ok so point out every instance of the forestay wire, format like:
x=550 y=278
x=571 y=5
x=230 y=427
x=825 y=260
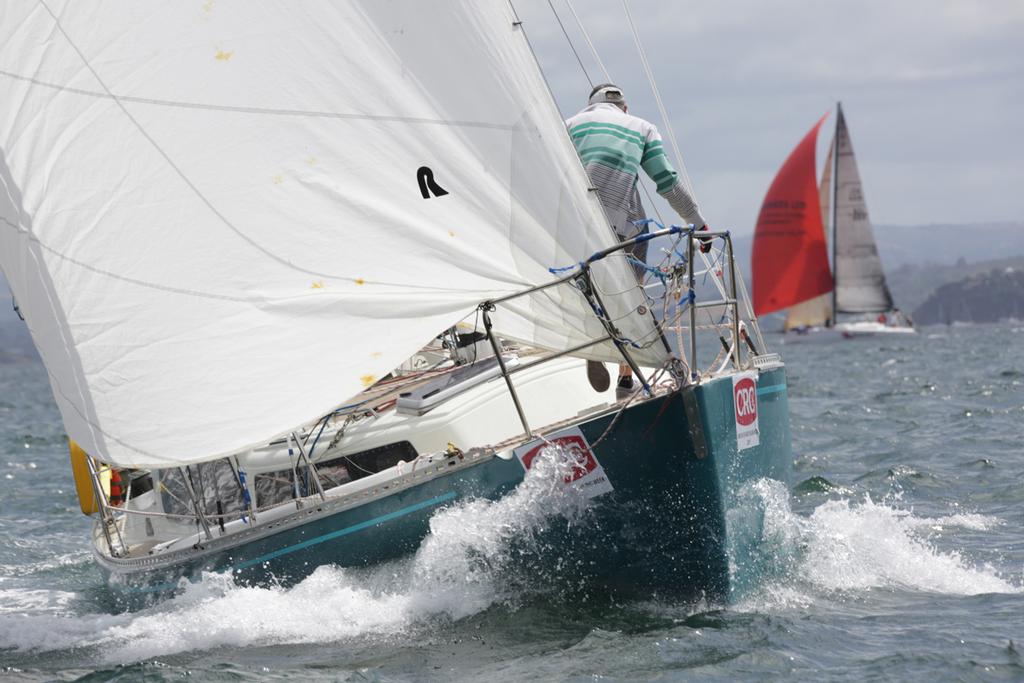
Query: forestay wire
x=657 y=98
x=586 y=37
x=573 y=47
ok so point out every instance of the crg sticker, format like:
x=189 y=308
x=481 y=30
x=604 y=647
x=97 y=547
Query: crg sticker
x=588 y=477
x=744 y=401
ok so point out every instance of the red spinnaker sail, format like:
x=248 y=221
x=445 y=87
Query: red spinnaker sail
x=790 y=256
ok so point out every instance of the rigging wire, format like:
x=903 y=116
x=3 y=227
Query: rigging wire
x=657 y=98
x=590 y=43
x=569 y=40
x=608 y=78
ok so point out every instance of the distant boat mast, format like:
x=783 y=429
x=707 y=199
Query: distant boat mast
x=835 y=202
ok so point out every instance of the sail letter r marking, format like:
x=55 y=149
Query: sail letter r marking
x=425 y=178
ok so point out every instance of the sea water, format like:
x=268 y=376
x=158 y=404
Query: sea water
x=898 y=555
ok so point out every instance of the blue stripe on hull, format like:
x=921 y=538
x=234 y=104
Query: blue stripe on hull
x=348 y=530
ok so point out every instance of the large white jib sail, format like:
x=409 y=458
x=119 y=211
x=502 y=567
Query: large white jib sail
x=223 y=219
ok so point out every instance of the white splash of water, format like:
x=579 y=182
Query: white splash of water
x=455 y=573
x=467 y=549
x=855 y=545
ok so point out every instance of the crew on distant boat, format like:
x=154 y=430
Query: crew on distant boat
x=613 y=146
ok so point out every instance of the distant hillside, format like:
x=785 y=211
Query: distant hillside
x=911 y=285
x=980 y=298
x=903 y=244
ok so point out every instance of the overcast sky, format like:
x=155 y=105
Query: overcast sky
x=932 y=90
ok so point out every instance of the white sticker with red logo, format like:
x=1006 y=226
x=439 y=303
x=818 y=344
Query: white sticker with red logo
x=589 y=477
x=744 y=401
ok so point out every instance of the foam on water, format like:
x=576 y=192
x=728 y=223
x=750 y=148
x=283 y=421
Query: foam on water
x=20 y=601
x=858 y=545
x=849 y=545
x=457 y=572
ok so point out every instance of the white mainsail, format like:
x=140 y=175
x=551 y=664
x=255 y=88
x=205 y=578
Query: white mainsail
x=223 y=219
x=859 y=278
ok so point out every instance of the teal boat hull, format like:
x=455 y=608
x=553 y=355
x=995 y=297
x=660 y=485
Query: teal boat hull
x=670 y=524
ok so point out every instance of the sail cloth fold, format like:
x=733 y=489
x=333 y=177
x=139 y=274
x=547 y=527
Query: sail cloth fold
x=860 y=279
x=223 y=220
x=790 y=257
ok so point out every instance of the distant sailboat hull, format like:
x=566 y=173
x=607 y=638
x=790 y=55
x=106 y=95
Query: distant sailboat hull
x=862 y=329
x=871 y=328
x=669 y=524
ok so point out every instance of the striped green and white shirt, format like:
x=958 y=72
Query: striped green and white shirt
x=614 y=146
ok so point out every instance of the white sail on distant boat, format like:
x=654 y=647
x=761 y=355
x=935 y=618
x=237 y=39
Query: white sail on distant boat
x=229 y=226
x=790 y=256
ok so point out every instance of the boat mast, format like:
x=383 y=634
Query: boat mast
x=835 y=198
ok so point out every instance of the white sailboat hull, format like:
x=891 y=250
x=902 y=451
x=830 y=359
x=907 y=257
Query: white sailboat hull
x=852 y=330
x=871 y=328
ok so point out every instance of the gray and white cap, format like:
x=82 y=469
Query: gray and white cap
x=607 y=92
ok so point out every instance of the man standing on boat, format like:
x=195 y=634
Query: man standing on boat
x=614 y=146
